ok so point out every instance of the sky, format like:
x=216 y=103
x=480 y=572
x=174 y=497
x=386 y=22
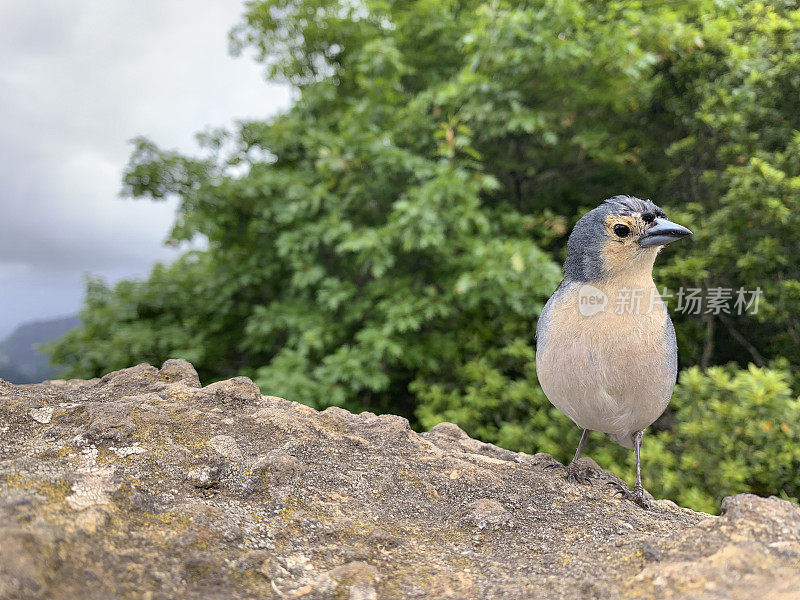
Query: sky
x=78 y=80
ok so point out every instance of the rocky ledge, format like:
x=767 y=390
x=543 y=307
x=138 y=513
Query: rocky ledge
x=142 y=484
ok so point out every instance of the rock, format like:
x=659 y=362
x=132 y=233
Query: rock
x=207 y=475
x=127 y=450
x=109 y=422
x=237 y=391
x=203 y=476
x=357 y=579
x=295 y=576
x=41 y=415
x=486 y=512
x=650 y=552
x=144 y=484
x=175 y=370
x=449 y=430
x=279 y=466
x=226 y=446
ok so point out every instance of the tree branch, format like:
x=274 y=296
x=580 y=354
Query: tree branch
x=757 y=358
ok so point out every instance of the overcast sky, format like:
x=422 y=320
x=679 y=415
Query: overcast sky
x=78 y=79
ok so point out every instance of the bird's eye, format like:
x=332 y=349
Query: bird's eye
x=622 y=230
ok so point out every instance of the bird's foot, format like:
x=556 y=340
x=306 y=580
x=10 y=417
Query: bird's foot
x=636 y=495
x=573 y=473
x=575 y=476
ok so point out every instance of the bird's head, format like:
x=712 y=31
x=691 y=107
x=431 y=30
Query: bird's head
x=621 y=236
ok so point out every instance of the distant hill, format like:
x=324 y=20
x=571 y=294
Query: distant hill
x=20 y=359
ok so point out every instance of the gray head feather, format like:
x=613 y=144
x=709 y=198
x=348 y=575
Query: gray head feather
x=584 y=259
x=628 y=205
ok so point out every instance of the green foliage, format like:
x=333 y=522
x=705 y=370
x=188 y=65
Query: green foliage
x=732 y=431
x=496 y=397
x=738 y=102
x=389 y=241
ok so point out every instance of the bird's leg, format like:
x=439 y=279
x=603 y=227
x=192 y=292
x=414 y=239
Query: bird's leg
x=572 y=468
x=636 y=495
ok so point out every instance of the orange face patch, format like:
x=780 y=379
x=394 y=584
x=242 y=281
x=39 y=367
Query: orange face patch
x=622 y=253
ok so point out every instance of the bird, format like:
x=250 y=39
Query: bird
x=606 y=351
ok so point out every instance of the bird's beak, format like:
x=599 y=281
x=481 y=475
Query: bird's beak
x=663 y=232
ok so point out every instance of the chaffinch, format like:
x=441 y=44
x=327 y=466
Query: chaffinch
x=611 y=367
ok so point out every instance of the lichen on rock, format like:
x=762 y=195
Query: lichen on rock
x=142 y=484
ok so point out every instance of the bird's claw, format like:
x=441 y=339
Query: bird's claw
x=574 y=476
x=636 y=495
x=572 y=472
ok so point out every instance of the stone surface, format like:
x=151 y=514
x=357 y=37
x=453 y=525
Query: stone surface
x=142 y=484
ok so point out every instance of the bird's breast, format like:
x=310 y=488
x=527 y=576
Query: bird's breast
x=608 y=367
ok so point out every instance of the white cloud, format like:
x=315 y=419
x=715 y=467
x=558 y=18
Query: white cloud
x=78 y=79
